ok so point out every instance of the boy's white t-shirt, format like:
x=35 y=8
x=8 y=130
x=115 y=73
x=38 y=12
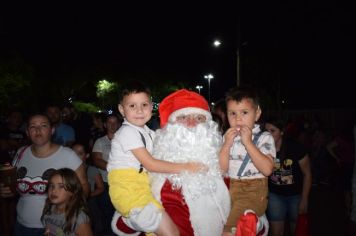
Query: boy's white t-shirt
x=126 y=139
x=238 y=152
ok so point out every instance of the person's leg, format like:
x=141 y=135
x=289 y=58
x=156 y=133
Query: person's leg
x=167 y=226
x=107 y=209
x=276 y=213
x=293 y=211
x=175 y=206
x=95 y=215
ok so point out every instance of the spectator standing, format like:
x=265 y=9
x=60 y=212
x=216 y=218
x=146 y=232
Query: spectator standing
x=100 y=155
x=63 y=134
x=34 y=165
x=96 y=187
x=12 y=135
x=219 y=109
x=97 y=130
x=341 y=148
x=290 y=182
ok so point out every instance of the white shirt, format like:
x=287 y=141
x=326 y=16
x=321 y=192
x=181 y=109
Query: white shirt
x=126 y=139
x=238 y=152
x=103 y=145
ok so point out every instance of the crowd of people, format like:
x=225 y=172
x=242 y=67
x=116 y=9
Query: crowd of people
x=221 y=170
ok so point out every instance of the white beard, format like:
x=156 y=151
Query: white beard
x=205 y=193
x=178 y=144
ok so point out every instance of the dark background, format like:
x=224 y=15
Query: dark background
x=301 y=54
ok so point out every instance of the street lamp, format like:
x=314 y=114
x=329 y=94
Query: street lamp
x=209 y=77
x=199 y=87
x=238 y=64
x=217 y=43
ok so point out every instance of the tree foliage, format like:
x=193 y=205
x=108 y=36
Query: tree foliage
x=15 y=86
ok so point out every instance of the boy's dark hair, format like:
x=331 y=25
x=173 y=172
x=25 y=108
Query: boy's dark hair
x=133 y=87
x=243 y=92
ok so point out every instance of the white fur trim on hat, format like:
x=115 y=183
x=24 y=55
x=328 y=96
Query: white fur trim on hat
x=187 y=111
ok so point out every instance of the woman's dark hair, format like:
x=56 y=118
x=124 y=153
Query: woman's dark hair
x=276 y=121
x=38 y=114
x=219 y=109
x=77 y=202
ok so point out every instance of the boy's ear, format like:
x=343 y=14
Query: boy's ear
x=258 y=113
x=121 y=110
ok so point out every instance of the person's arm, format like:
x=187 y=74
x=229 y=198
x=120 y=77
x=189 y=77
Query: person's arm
x=263 y=162
x=307 y=182
x=99 y=161
x=154 y=165
x=99 y=186
x=81 y=173
x=5 y=191
x=330 y=147
x=224 y=153
x=84 y=230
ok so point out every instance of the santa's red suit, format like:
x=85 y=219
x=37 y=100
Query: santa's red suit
x=198 y=203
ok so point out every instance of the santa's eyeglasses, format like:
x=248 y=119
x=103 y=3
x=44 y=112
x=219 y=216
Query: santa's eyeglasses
x=198 y=118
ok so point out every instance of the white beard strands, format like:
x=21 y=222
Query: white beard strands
x=178 y=144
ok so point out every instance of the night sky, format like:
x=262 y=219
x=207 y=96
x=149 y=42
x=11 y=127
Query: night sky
x=306 y=50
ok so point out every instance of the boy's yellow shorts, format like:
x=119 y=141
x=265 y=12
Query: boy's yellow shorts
x=130 y=189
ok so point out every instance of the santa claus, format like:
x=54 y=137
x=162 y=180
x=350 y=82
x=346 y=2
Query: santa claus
x=198 y=203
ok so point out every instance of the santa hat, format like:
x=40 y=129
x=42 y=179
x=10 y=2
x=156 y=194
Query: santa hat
x=182 y=102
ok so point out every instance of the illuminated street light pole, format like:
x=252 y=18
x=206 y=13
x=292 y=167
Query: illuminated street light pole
x=238 y=64
x=217 y=43
x=209 y=77
x=199 y=87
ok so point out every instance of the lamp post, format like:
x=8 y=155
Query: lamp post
x=217 y=43
x=199 y=87
x=209 y=77
x=238 y=64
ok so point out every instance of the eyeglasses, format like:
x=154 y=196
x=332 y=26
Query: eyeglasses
x=196 y=117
